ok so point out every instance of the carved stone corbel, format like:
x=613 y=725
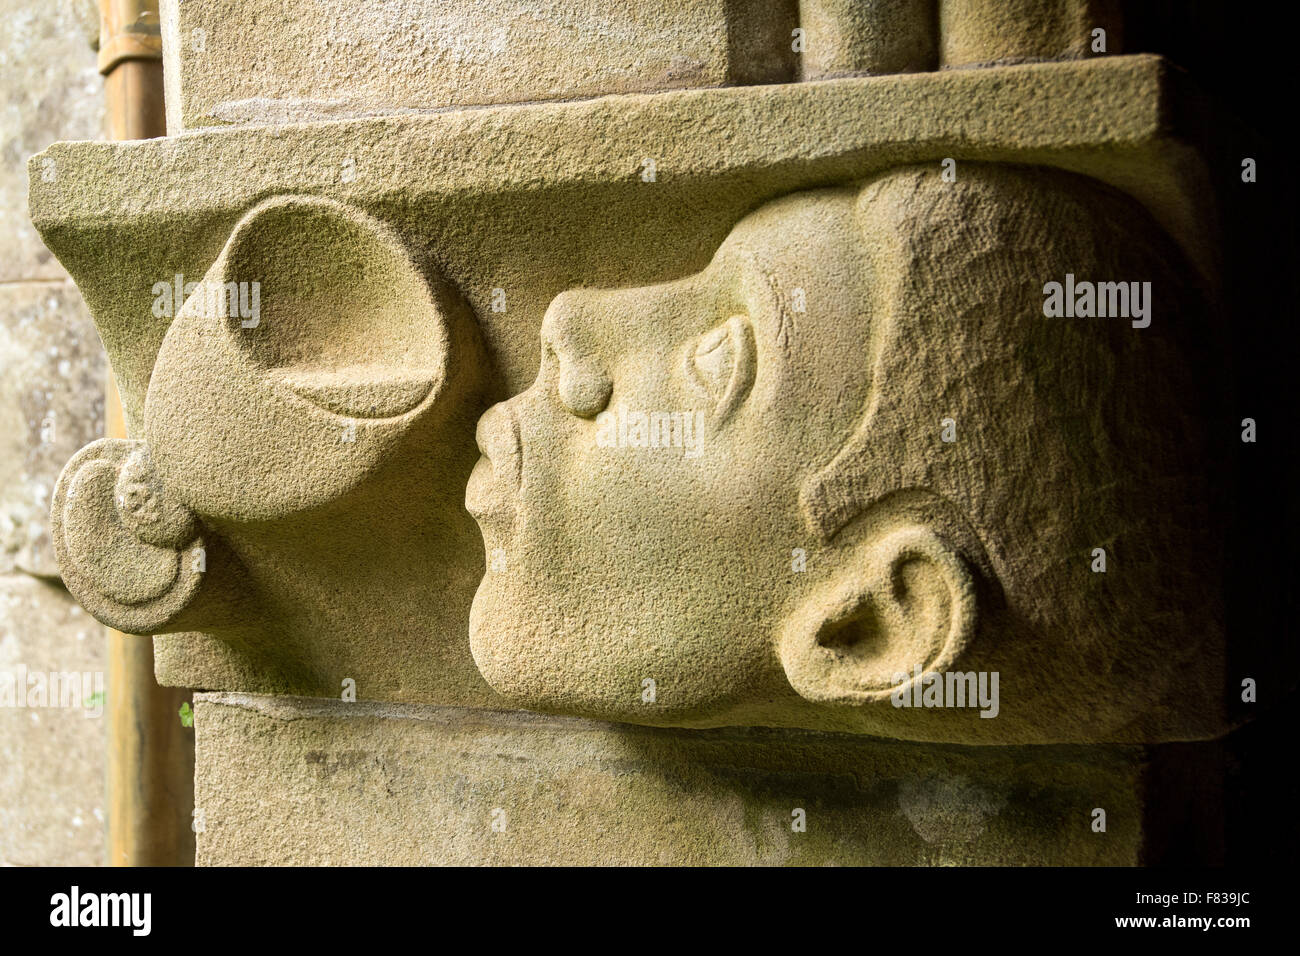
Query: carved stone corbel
x=315 y=354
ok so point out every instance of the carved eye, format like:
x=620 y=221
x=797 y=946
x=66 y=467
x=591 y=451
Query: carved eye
x=722 y=364
x=714 y=358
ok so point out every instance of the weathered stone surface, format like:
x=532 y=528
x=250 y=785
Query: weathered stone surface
x=354 y=559
x=342 y=784
x=51 y=757
x=297 y=60
x=855 y=37
x=373 y=408
x=51 y=403
x=987 y=32
x=52 y=91
x=535 y=199
x=52 y=371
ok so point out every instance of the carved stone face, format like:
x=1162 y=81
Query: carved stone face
x=854 y=453
x=640 y=502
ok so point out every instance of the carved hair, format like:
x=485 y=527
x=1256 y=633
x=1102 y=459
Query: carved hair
x=1071 y=433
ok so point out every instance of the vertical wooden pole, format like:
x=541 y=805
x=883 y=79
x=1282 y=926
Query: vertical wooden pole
x=150 y=753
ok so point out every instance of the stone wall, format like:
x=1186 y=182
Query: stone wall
x=51 y=403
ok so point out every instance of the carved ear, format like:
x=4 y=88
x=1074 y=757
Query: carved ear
x=900 y=603
x=128 y=551
x=119 y=541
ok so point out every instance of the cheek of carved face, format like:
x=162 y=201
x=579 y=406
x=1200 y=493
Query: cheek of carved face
x=620 y=517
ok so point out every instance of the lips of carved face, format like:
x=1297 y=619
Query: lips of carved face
x=498 y=474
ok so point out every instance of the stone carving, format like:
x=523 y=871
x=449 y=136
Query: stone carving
x=121 y=538
x=866 y=445
x=852 y=452
x=318 y=368
x=336 y=516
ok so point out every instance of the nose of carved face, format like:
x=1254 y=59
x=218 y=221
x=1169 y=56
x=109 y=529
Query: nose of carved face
x=495 y=480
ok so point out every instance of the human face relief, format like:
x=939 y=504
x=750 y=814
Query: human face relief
x=635 y=507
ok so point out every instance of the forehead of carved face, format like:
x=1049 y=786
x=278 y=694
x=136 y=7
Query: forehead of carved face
x=640 y=501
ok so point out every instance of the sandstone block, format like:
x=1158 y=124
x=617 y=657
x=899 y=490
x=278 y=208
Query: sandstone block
x=296 y=60
x=366 y=784
x=987 y=32
x=52 y=747
x=51 y=403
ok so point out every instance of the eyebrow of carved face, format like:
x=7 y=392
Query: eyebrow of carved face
x=758 y=293
x=780 y=305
